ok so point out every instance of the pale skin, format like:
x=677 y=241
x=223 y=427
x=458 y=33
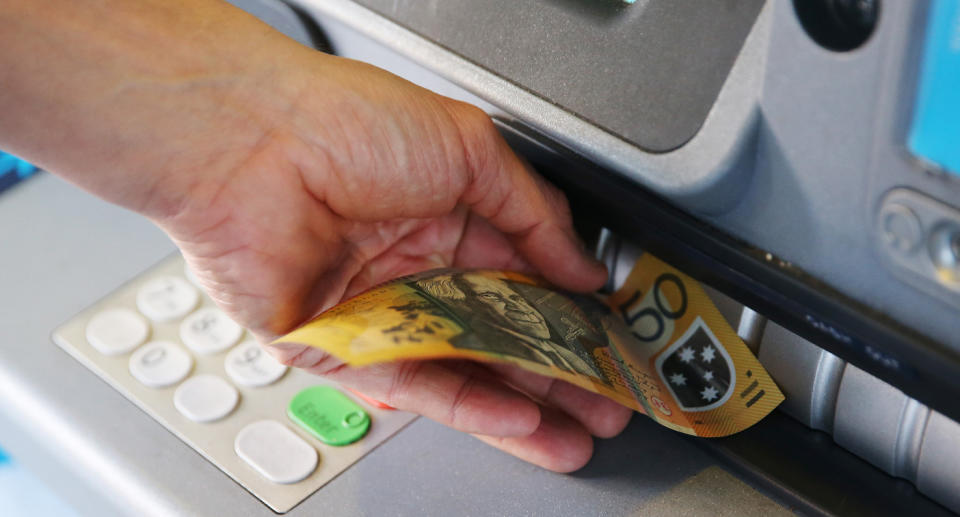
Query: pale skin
x=290 y=180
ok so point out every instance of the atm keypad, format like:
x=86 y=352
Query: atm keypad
x=163 y=344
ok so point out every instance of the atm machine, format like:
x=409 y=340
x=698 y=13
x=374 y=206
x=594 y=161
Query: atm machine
x=801 y=158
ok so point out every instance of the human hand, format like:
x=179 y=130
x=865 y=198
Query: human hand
x=291 y=180
x=375 y=179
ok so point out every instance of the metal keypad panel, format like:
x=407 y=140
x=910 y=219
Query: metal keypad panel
x=166 y=347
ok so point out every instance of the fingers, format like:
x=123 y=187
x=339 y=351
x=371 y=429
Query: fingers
x=460 y=239
x=458 y=399
x=559 y=443
x=554 y=441
x=481 y=400
x=600 y=416
x=483 y=246
x=296 y=355
x=508 y=193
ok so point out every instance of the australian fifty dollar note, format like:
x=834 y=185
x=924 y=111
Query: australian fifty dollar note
x=658 y=344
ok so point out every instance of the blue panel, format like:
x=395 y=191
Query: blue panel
x=3 y=457
x=13 y=169
x=935 y=135
x=8 y=162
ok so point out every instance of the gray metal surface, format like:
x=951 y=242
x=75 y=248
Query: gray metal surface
x=868 y=417
x=750 y=327
x=655 y=67
x=865 y=415
x=808 y=376
x=708 y=174
x=62 y=250
x=831 y=144
x=938 y=472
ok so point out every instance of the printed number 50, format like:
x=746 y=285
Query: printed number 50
x=660 y=311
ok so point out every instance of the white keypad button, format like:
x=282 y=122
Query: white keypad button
x=209 y=331
x=250 y=365
x=167 y=298
x=117 y=331
x=159 y=364
x=205 y=398
x=276 y=452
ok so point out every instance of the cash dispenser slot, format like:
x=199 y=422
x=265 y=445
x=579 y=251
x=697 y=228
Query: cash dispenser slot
x=869 y=418
x=752 y=277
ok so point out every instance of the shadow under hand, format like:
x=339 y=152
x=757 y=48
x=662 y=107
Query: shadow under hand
x=646 y=456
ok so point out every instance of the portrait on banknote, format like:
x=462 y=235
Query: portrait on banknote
x=656 y=344
x=518 y=320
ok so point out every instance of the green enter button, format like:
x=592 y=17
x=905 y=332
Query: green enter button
x=329 y=415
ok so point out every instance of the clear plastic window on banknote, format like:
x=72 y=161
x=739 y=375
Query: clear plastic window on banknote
x=657 y=344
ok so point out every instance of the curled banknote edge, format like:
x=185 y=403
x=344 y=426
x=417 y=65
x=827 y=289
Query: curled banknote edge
x=658 y=344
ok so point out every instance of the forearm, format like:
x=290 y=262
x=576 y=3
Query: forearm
x=117 y=96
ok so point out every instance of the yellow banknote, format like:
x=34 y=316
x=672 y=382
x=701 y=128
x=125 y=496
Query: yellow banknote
x=657 y=345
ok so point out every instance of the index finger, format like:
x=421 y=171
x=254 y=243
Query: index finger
x=457 y=398
x=534 y=214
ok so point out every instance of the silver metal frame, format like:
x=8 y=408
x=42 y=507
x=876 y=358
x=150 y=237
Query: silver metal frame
x=705 y=174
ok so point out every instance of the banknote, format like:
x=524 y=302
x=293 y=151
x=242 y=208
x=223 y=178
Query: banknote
x=657 y=344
